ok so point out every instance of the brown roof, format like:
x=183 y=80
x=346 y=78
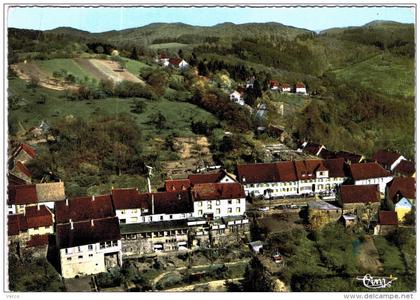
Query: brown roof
x=38 y=216
x=28 y=149
x=402 y=186
x=171 y=202
x=306 y=169
x=255 y=173
x=37 y=241
x=128 y=199
x=217 y=191
x=285 y=86
x=16 y=224
x=175 y=61
x=359 y=193
x=84 y=208
x=22 y=194
x=300 y=85
x=388 y=218
x=206 y=177
x=50 y=191
x=405 y=168
x=347 y=156
x=274 y=83
x=335 y=167
x=83 y=233
x=20 y=167
x=327 y=154
x=361 y=171
x=312 y=148
x=286 y=171
x=14 y=180
x=385 y=158
x=177 y=185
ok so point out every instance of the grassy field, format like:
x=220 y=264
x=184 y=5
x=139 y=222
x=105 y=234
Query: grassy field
x=134 y=66
x=178 y=114
x=386 y=74
x=168 y=46
x=67 y=64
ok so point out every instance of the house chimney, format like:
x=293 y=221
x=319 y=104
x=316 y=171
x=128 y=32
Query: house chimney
x=71 y=224
x=92 y=223
x=93 y=197
x=67 y=201
x=24 y=211
x=153 y=204
x=37 y=206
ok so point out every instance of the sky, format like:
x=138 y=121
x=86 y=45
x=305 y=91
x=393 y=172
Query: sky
x=105 y=19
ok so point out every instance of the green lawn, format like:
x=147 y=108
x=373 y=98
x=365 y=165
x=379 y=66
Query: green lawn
x=386 y=74
x=68 y=64
x=134 y=66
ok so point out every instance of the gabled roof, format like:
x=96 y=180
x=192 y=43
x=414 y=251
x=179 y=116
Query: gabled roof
x=217 y=191
x=177 y=185
x=274 y=83
x=335 y=167
x=285 y=86
x=312 y=148
x=207 y=177
x=37 y=241
x=84 y=208
x=22 y=194
x=402 y=186
x=359 y=193
x=256 y=173
x=128 y=199
x=347 y=156
x=175 y=61
x=171 y=202
x=306 y=169
x=83 y=233
x=362 y=171
x=386 y=158
x=26 y=148
x=50 y=191
x=16 y=224
x=14 y=180
x=300 y=85
x=405 y=168
x=388 y=218
x=38 y=216
x=20 y=167
x=286 y=171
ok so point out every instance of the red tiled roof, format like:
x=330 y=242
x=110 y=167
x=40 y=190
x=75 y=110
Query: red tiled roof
x=38 y=216
x=177 y=185
x=83 y=233
x=14 y=180
x=206 y=177
x=175 y=61
x=335 y=167
x=362 y=171
x=128 y=199
x=388 y=218
x=348 y=156
x=22 y=194
x=359 y=193
x=16 y=224
x=171 y=202
x=405 y=168
x=312 y=148
x=37 y=241
x=19 y=166
x=403 y=186
x=300 y=85
x=306 y=169
x=274 y=83
x=255 y=173
x=385 y=158
x=84 y=208
x=286 y=171
x=285 y=86
x=28 y=149
x=217 y=191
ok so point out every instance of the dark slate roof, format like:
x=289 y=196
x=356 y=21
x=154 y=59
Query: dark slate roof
x=83 y=233
x=38 y=216
x=359 y=193
x=312 y=148
x=405 y=168
x=256 y=173
x=402 y=186
x=16 y=224
x=37 y=241
x=84 y=208
x=177 y=184
x=367 y=170
x=129 y=199
x=217 y=191
x=171 y=202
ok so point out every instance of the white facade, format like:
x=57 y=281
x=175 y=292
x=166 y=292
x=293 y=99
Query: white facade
x=382 y=182
x=286 y=89
x=88 y=259
x=131 y=216
x=183 y=64
x=220 y=208
x=237 y=98
x=301 y=90
x=322 y=184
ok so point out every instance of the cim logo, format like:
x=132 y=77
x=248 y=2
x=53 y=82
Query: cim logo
x=374 y=282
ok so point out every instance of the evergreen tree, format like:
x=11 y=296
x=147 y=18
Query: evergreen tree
x=134 y=55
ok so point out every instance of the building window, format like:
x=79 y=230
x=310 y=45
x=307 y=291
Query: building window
x=79 y=249
x=200 y=212
x=90 y=255
x=122 y=221
x=209 y=206
x=68 y=258
x=238 y=209
x=90 y=247
x=229 y=201
x=200 y=203
x=80 y=257
x=229 y=210
x=171 y=217
x=102 y=245
x=218 y=202
x=217 y=211
x=123 y=212
x=238 y=201
x=134 y=211
x=161 y=218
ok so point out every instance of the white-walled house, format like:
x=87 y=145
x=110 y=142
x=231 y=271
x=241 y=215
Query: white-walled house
x=292 y=178
x=370 y=173
x=300 y=88
x=218 y=199
x=285 y=87
x=89 y=247
x=237 y=97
